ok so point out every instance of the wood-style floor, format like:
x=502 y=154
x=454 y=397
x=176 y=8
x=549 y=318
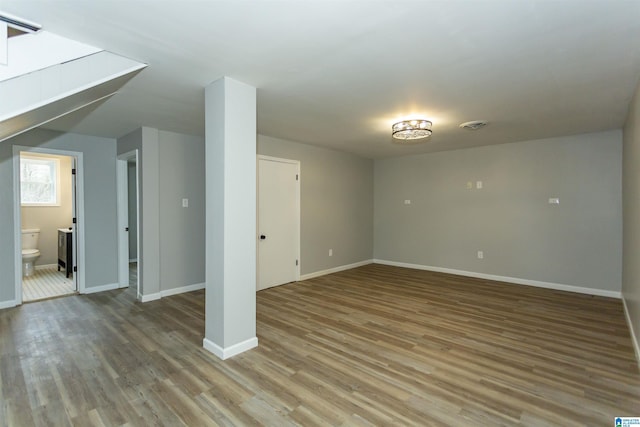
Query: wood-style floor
x=376 y=345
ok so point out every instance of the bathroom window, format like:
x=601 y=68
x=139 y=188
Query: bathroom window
x=39 y=179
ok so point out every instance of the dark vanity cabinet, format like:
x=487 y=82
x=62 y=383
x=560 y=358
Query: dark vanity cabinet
x=65 y=250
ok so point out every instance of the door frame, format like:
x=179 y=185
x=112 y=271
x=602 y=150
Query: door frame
x=123 y=218
x=296 y=225
x=78 y=195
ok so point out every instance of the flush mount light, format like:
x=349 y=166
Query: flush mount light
x=408 y=130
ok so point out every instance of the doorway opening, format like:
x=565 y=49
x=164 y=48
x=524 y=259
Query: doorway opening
x=48 y=240
x=129 y=261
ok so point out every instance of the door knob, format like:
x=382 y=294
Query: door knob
x=262 y=237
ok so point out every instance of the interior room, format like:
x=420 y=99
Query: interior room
x=320 y=213
x=46 y=210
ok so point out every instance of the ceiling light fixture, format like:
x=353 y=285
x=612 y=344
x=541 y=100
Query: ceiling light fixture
x=411 y=129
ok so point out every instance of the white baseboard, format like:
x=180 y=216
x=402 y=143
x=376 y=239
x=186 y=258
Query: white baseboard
x=8 y=304
x=173 y=291
x=634 y=337
x=516 y=280
x=182 y=289
x=102 y=288
x=150 y=297
x=46 y=266
x=335 y=269
x=225 y=353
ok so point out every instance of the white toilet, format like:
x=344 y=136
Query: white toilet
x=30 y=252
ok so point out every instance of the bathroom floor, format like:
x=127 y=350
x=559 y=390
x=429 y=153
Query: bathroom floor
x=46 y=283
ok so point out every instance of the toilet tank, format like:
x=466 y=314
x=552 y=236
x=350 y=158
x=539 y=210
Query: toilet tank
x=30 y=238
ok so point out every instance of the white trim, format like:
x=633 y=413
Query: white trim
x=634 y=339
x=336 y=269
x=278 y=159
x=8 y=304
x=133 y=260
x=101 y=288
x=122 y=221
x=172 y=291
x=45 y=266
x=225 y=353
x=17 y=226
x=150 y=297
x=514 y=280
x=182 y=289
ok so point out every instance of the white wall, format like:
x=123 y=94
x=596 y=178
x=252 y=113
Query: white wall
x=631 y=220
x=576 y=243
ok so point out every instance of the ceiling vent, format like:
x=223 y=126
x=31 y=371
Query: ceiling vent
x=474 y=125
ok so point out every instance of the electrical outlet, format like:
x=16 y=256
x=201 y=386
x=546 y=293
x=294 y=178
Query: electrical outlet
x=330 y=252
x=480 y=255
x=185 y=203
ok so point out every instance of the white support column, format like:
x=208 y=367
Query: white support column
x=230 y=134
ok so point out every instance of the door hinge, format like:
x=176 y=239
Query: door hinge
x=73 y=171
x=296 y=262
x=74 y=220
x=296 y=177
x=75 y=268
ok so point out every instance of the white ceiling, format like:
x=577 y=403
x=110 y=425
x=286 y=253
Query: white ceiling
x=339 y=73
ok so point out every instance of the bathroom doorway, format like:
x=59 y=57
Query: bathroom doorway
x=129 y=260
x=47 y=219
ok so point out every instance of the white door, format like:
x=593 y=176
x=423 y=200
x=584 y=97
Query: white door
x=278 y=221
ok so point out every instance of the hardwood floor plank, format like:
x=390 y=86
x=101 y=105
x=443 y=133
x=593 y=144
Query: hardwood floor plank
x=376 y=345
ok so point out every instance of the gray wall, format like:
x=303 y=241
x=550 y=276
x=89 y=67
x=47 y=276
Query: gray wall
x=577 y=242
x=182 y=233
x=132 y=183
x=99 y=203
x=336 y=203
x=49 y=218
x=171 y=247
x=145 y=140
x=631 y=215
